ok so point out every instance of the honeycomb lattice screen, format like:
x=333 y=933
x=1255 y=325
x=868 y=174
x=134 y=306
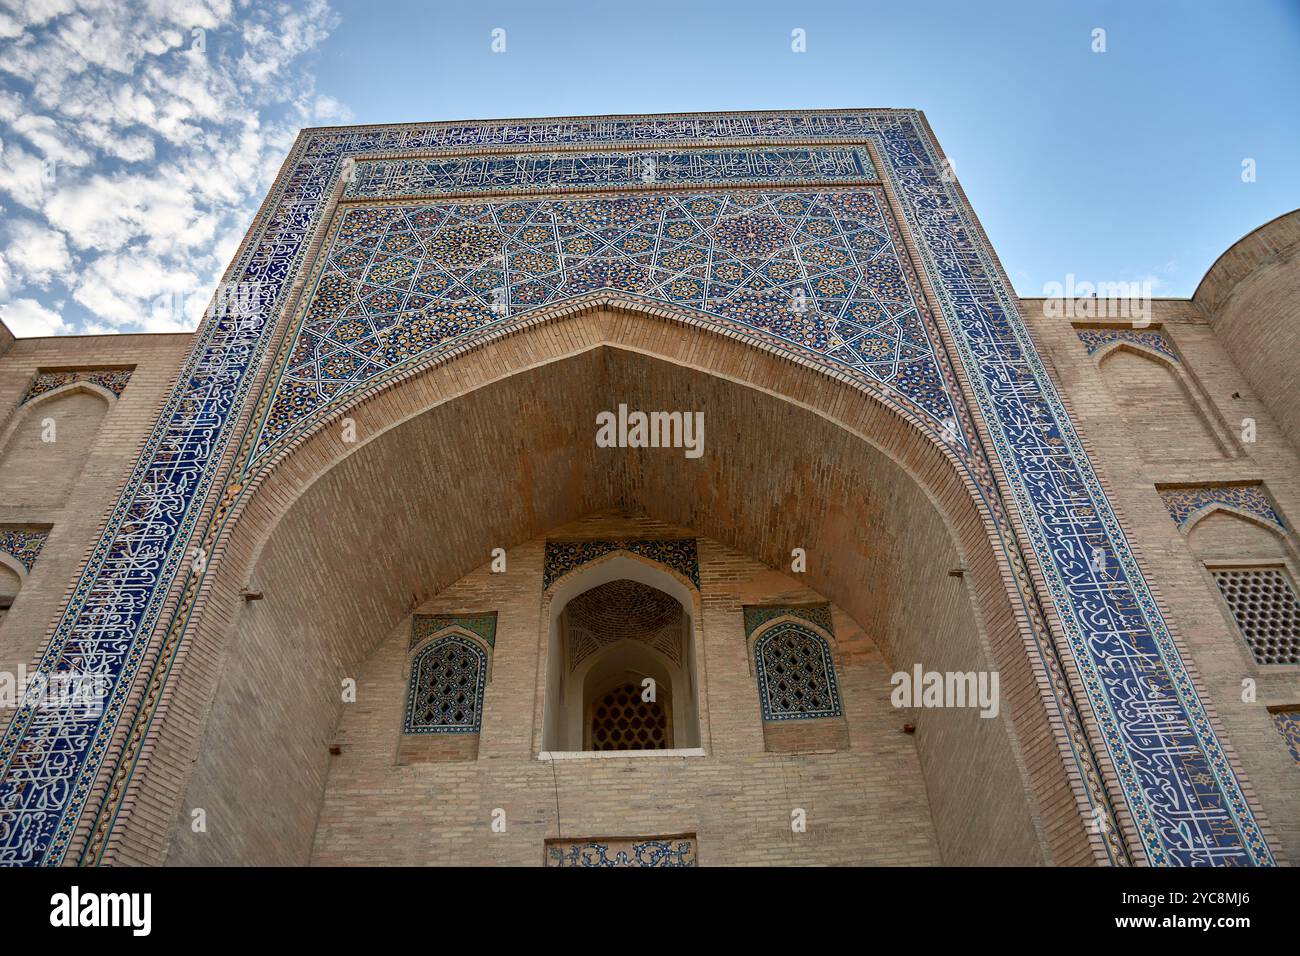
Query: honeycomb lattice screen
x=621 y=720
x=1264 y=605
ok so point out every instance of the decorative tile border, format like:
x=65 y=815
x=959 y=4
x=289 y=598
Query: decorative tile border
x=626 y=169
x=1188 y=504
x=1184 y=797
x=1153 y=339
x=23 y=543
x=625 y=852
x=425 y=625
x=676 y=553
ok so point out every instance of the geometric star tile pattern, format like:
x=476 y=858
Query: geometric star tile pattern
x=818 y=270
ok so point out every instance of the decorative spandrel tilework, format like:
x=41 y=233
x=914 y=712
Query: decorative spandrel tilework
x=819 y=614
x=796 y=673
x=656 y=851
x=23 y=544
x=538 y=172
x=676 y=553
x=112 y=379
x=1186 y=803
x=1288 y=725
x=1154 y=339
x=819 y=272
x=484 y=625
x=1187 y=505
x=445 y=691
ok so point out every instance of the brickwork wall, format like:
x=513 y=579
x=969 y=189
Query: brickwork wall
x=1136 y=454
x=1252 y=298
x=864 y=805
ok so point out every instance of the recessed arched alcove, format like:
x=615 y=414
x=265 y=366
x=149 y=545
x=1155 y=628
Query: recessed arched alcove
x=1161 y=406
x=45 y=447
x=611 y=624
x=345 y=543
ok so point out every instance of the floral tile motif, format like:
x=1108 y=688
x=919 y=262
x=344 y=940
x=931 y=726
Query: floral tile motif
x=1288 y=725
x=1154 y=339
x=1187 y=504
x=676 y=553
x=23 y=544
x=484 y=625
x=660 y=851
x=819 y=614
x=112 y=379
x=59 y=768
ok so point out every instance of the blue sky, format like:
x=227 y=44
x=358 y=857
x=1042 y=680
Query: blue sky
x=135 y=149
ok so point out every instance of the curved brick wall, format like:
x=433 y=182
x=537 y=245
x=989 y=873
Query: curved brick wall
x=1252 y=295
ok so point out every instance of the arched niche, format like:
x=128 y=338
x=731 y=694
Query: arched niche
x=622 y=618
x=47 y=443
x=344 y=539
x=1161 y=406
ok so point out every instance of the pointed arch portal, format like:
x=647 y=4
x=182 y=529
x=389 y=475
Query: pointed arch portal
x=821 y=269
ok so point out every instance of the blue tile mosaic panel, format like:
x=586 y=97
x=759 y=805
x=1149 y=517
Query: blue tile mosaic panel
x=1153 y=339
x=1288 y=725
x=1188 y=504
x=1170 y=770
x=676 y=553
x=111 y=379
x=23 y=544
x=484 y=625
x=538 y=172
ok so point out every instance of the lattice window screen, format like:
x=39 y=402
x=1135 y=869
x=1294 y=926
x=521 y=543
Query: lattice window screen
x=1264 y=605
x=621 y=720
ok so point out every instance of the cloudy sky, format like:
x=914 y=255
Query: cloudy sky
x=138 y=136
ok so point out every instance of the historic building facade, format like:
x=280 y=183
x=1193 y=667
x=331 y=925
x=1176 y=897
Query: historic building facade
x=616 y=491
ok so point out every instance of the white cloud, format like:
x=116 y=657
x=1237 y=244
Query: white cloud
x=27 y=317
x=138 y=139
x=37 y=254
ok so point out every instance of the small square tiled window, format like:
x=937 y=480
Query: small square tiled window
x=1264 y=605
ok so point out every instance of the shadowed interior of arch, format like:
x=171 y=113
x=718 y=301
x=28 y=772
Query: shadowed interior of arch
x=415 y=509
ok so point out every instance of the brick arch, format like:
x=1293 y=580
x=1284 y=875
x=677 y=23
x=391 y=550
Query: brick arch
x=209 y=672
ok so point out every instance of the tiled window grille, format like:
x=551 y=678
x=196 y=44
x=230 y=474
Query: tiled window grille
x=796 y=674
x=445 y=693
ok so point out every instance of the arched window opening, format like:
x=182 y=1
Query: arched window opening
x=445 y=695
x=621 y=667
x=796 y=674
